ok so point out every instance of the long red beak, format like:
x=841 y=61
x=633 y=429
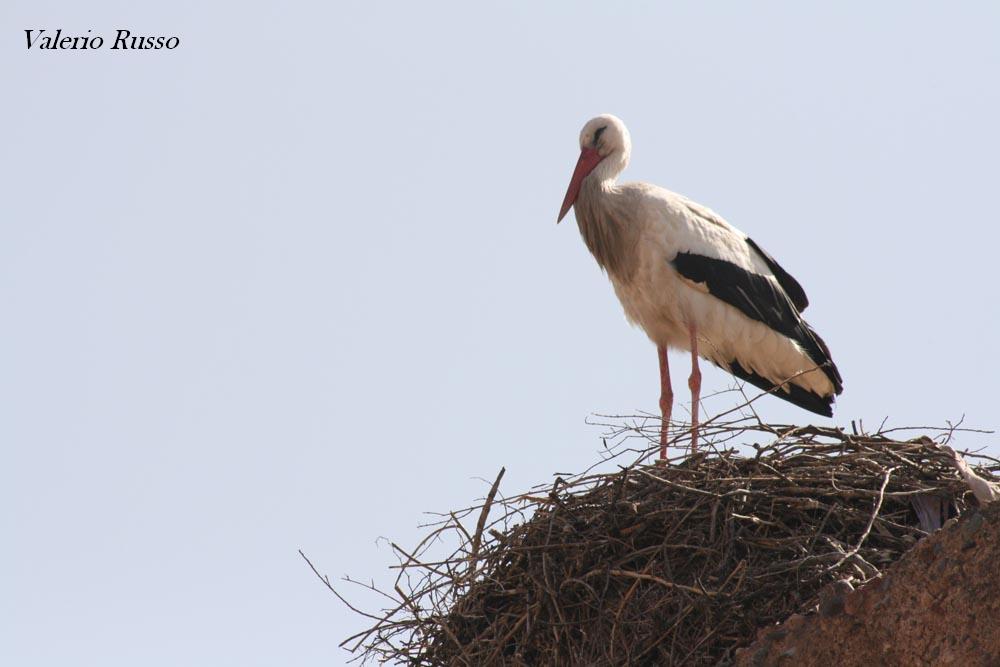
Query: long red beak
x=589 y=157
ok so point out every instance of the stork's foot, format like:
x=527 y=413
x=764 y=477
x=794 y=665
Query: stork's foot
x=663 y=441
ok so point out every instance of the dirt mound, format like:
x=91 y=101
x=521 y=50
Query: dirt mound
x=938 y=605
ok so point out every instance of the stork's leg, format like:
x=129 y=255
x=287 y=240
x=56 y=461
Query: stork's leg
x=694 y=383
x=666 y=400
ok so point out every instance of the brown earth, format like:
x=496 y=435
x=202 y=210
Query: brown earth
x=938 y=605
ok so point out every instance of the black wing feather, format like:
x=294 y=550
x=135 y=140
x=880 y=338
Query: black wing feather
x=760 y=299
x=791 y=286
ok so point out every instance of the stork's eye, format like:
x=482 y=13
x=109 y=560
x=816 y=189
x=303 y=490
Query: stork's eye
x=598 y=133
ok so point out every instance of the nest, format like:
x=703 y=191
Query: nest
x=665 y=564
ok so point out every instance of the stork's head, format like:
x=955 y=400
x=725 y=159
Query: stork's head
x=604 y=150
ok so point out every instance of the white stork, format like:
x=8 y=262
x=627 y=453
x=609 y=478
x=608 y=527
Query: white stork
x=694 y=282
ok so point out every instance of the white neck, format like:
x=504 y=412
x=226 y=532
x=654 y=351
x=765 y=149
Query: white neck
x=608 y=169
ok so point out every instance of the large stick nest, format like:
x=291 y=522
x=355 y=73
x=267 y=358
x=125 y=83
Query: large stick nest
x=665 y=564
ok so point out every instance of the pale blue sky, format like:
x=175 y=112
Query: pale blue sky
x=299 y=280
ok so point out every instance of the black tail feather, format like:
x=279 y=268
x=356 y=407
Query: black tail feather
x=821 y=405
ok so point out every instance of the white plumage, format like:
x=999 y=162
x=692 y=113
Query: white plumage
x=663 y=303
x=694 y=282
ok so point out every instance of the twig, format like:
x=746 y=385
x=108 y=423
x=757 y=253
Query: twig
x=871 y=521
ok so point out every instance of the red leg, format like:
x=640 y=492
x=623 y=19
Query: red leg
x=694 y=383
x=666 y=400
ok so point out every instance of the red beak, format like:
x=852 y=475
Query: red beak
x=589 y=157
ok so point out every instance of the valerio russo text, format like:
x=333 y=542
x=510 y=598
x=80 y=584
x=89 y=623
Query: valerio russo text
x=123 y=40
